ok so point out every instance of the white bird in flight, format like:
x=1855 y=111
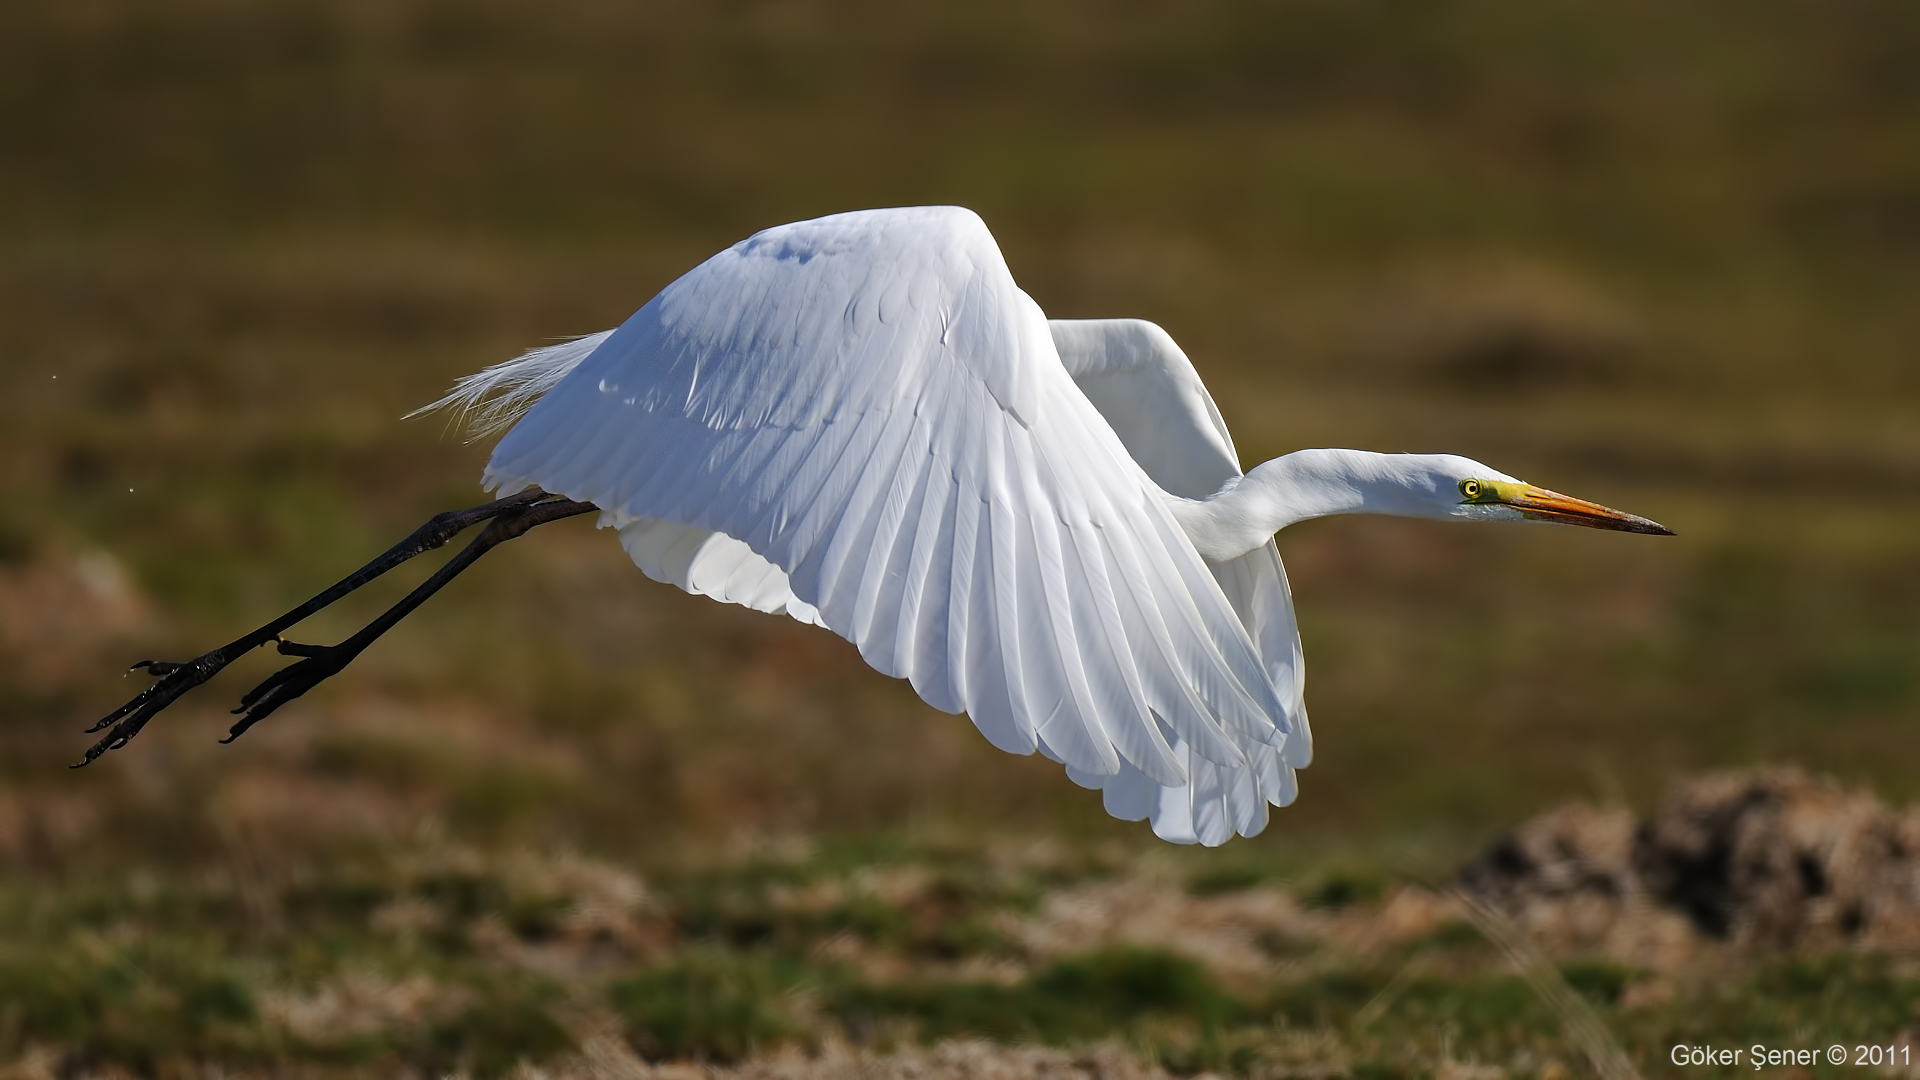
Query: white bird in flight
x=862 y=422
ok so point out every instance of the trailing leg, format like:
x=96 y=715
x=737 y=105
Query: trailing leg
x=325 y=661
x=176 y=678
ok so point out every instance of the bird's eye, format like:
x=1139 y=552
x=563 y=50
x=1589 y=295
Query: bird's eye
x=1470 y=489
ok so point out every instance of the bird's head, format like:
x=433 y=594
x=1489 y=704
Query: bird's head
x=1309 y=484
x=1467 y=489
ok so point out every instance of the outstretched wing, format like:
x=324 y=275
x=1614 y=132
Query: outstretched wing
x=1148 y=390
x=866 y=404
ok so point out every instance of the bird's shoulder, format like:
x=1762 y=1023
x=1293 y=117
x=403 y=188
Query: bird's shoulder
x=916 y=259
x=1148 y=391
x=838 y=315
x=867 y=235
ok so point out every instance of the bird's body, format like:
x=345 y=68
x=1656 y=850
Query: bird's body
x=862 y=422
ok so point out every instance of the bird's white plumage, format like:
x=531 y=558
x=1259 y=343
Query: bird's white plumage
x=709 y=563
x=862 y=421
x=1149 y=392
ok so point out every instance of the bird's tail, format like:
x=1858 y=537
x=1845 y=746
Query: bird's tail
x=489 y=401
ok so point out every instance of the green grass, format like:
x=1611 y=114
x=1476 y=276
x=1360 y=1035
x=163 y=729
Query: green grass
x=443 y=964
x=1079 y=998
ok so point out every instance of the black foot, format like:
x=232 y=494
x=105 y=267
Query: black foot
x=322 y=662
x=175 y=679
x=294 y=648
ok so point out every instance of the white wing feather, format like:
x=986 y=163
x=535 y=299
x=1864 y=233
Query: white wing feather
x=1150 y=393
x=861 y=421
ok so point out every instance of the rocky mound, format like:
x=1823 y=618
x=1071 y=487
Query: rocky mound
x=1758 y=860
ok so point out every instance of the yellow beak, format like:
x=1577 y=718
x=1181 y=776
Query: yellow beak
x=1542 y=505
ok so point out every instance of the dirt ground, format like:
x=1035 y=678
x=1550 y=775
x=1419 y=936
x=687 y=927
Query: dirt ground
x=1753 y=861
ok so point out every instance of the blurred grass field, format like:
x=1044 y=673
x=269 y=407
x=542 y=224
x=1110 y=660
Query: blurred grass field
x=1662 y=256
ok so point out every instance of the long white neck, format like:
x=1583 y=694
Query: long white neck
x=1315 y=483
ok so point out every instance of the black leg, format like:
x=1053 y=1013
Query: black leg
x=323 y=662
x=176 y=679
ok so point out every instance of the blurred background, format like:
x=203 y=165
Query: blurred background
x=1661 y=256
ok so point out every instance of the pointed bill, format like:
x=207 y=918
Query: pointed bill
x=1540 y=504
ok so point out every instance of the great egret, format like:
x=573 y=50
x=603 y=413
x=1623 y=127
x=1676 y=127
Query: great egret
x=860 y=421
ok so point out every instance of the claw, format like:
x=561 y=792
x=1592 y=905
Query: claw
x=171 y=680
x=321 y=663
x=116 y=714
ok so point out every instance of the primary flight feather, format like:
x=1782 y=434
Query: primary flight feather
x=862 y=422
